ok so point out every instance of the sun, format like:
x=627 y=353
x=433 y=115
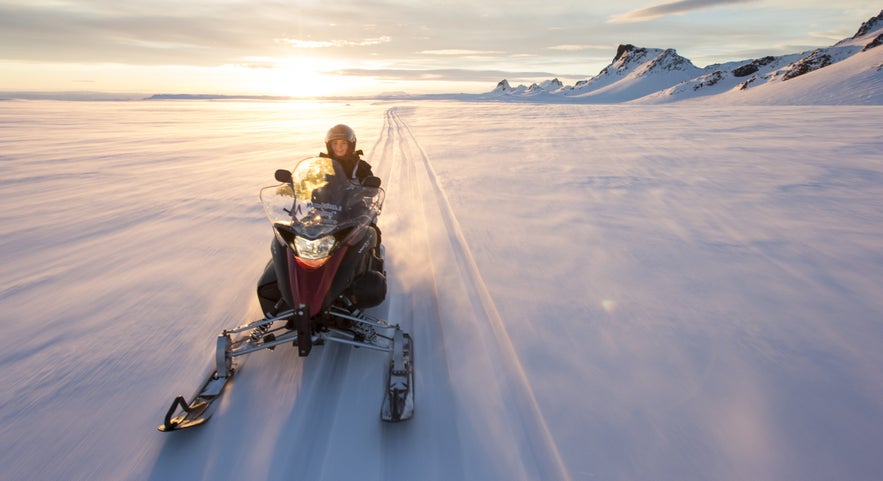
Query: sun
x=296 y=77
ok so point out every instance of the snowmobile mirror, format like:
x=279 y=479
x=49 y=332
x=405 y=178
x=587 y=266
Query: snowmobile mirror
x=283 y=176
x=371 y=181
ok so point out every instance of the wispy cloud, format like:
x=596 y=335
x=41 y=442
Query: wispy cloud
x=440 y=74
x=297 y=43
x=459 y=52
x=673 y=8
x=578 y=47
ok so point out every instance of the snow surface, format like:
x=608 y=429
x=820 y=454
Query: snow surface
x=613 y=292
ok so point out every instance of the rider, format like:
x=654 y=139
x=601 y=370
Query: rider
x=340 y=143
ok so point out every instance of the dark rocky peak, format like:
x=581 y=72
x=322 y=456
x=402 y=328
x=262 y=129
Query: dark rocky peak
x=819 y=58
x=549 y=85
x=670 y=60
x=627 y=56
x=628 y=52
x=752 y=67
x=503 y=86
x=869 y=26
x=622 y=49
x=874 y=43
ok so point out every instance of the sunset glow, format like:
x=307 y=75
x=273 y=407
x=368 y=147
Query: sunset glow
x=352 y=48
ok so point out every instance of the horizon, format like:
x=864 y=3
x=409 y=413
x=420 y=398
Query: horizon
x=309 y=51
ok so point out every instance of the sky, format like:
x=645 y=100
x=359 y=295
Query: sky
x=347 y=47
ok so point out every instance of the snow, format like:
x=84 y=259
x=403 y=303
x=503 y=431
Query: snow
x=857 y=80
x=849 y=72
x=686 y=291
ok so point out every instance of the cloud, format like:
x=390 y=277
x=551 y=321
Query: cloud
x=460 y=75
x=577 y=48
x=460 y=52
x=297 y=43
x=673 y=8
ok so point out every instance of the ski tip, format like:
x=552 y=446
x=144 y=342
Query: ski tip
x=180 y=425
x=192 y=414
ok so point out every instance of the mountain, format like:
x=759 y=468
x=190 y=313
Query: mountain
x=535 y=89
x=634 y=73
x=850 y=71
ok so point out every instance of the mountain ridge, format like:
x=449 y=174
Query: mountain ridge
x=654 y=75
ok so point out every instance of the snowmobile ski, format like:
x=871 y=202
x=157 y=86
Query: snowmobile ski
x=398 y=401
x=201 y=406
x=198 y=410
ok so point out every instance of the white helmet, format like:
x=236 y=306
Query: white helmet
x=341 y=132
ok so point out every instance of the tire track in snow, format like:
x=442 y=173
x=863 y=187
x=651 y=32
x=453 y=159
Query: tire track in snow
x=494 y=406
x=383 y=153
x=427 y=447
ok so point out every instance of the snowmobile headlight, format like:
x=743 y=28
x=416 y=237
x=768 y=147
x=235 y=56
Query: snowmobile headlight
x=314 y=249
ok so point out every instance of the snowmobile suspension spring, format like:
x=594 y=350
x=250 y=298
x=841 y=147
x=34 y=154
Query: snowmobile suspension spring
x=258 y=332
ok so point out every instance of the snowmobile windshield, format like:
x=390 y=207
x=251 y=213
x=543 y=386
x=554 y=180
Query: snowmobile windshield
x=320 y=200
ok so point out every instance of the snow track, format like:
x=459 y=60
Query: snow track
x=465 y=360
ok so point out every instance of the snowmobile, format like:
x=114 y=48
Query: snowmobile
x=326 y=268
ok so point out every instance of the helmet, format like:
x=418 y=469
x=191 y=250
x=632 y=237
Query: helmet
x=341 y=131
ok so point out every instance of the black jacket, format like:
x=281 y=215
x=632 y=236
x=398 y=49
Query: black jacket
x=353 y=165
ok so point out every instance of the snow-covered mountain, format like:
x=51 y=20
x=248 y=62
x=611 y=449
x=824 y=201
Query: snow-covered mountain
x=535 y=89
x=652 y=75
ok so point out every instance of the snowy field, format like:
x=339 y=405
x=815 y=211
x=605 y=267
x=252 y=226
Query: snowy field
x=614 y=292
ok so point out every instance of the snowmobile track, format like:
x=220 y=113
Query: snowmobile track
x=471 y=310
